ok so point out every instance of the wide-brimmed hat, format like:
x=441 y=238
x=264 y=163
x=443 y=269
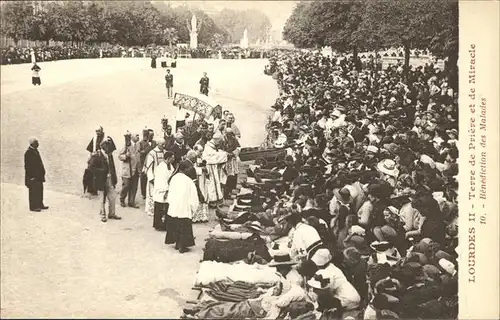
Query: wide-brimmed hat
x=407 y=192
x=388 y=167
x=392 y=147
x=372 y=149
x=357 y=242
x=320 y=280
x=447 y=266
x=452 y=131
x=381 y=246
x=341 y=108
x=343 y=195
x=352 y=256
x=428 y=160
x=384 y=233
x=431 y=270
x=256 y=226
x=336 y=113
x=322 y=257
x=281 y=259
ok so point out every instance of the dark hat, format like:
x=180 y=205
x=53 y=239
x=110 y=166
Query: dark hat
x=376 y=190
x=385 y=233
x=390 y=129
x=343 y=195
x=281 y=259
x=352 y=256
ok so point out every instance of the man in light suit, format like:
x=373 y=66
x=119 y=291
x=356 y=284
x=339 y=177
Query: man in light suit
x=130 y=158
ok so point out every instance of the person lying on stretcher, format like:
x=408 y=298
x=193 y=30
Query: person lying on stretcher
x=270 y=305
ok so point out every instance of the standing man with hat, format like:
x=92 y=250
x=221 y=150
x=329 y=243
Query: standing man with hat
x=35 y=176
x=169 y=83
x=130 y=158
x=204 y=84
x=109 y=180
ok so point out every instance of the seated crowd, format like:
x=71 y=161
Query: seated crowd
x=358 y=213
x=17 y=55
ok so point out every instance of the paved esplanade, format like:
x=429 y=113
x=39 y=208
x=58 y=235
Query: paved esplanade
x=64 y=262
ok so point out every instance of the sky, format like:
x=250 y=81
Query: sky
x=277 y=11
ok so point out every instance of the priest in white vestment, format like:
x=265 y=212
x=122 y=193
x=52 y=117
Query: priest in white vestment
x=216 y=160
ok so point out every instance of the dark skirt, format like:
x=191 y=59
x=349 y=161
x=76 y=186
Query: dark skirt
x=185 y=237
x=159 y=219
x=180 y=232
x=36 y=81
x=171 y=229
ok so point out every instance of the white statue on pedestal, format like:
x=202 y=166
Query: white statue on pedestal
x=33 y=56
x=244 y=40
x=193 y=32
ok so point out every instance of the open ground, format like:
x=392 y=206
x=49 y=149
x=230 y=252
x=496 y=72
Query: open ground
x=64 y=262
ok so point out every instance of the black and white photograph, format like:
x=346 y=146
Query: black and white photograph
x=249 y=159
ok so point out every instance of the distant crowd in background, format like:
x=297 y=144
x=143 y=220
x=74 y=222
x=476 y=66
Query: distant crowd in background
x=17 y=55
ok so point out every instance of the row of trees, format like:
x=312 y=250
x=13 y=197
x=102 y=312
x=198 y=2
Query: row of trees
x=124 y=22
x=350 y=26
x=235 y=22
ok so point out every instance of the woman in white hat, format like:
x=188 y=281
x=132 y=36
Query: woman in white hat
x=388 y=171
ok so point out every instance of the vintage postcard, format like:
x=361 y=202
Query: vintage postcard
x=308 y=160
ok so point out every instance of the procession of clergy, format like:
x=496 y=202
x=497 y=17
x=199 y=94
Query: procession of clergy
x=182 y=173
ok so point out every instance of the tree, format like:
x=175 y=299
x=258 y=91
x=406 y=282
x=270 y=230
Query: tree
x=298 y=29
x=236 y=21
x=407 y=23
x=43 y=22
x=336 y=24
x=16 y=19
x=444 y=43
x=218 y=41
x=170 y=36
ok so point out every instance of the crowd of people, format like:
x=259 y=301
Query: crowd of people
x=205 y=150
x=365 y=197
x=357 y=214
x=18 y=55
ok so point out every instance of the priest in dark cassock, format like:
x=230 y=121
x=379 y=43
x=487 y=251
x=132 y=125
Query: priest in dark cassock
x=95 y=143
x=35 y=176
x=89 y=176
x=179 y=148
x=204 y=84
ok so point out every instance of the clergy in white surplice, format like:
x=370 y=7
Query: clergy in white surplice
x=153 y=159
x=216 y=160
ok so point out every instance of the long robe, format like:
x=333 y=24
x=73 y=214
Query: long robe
x=201 y=215
x=183 y=202
x=153 y=159
x=215 y=162
x=182 y=196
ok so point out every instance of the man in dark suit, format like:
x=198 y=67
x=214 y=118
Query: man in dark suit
x=179 y=148
x=35 y=176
